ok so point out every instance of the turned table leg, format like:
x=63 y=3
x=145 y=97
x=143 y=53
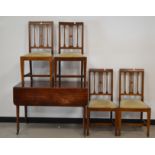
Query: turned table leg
x=84 y=119
x=17 y=118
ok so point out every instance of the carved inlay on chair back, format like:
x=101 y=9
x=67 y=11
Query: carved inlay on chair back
x=41 y=35
x=131 y=82
x=71 y=36
x=101 y=82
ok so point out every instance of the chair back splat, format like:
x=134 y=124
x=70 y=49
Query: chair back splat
x=71 y=36
x=101 y=82
x=131 y=83
x=41 y=35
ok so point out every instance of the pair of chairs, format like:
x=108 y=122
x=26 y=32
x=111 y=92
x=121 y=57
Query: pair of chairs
x=131 y=95
x=41 y=48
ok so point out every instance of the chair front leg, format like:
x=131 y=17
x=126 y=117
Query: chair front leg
x=88 y=121
x=119 y=122
x=116 y=123
x=148 y=122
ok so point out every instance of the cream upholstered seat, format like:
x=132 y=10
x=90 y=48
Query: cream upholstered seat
x=101 y=104
x=38 y=54
x=71 y=55
x=130 y=103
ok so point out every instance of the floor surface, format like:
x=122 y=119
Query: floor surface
x=36 y=130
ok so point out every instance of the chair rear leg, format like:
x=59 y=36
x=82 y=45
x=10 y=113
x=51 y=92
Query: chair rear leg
x=81 y=73
x=30 y=64
x=141 y=115
x=26 y=117
x=111 y=118
x=59 y=71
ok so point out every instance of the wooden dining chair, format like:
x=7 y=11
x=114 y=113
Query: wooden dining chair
x=40 y=47
x=131 y=96
x=101 y=95
x=71 y=44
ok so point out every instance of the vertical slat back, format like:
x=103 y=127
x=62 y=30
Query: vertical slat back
x=101 y=82
x=71 y=35
x=41 y=35
x=131 y=75
x=41 y=44
x=131 y=83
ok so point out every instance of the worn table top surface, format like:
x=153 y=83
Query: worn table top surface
x=48 y=84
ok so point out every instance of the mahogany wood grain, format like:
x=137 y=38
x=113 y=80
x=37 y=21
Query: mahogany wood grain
x=43 y=93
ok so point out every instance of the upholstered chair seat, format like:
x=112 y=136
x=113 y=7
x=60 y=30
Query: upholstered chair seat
x=71 y=55
x=101 y=104
x=130 y=103
x=38 y=54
